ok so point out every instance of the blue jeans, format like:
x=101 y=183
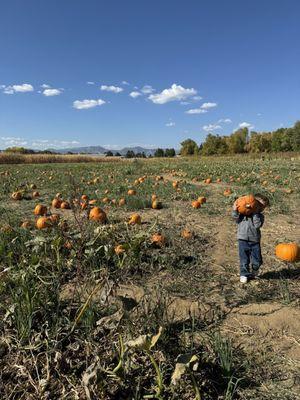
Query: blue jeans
x=249 y=252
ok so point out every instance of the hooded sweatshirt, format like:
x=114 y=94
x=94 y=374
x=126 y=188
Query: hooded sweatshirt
x=248 y=226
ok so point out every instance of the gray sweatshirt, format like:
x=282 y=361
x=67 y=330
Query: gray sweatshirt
x=248 y=227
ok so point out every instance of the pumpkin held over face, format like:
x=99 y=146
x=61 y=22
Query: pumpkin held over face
x=288 y=252
x=247 y=205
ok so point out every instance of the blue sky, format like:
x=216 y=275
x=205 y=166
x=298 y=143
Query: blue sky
x=152 y=73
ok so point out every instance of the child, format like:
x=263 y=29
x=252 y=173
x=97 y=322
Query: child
x=248 y=234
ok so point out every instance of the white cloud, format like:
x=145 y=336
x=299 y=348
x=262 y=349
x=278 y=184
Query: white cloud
x=90 y=83
x=135 y=94
x=184 y=103
x=206 y=106
x=202 y=109
x=197 y=98
x=114 y=89
x=85 y=104
x=9 y=141
x=8 y=90
x=246 y=125
x=45 y=86
x=170 y=123
x=52 y=92
x=125 y=83
x=225 y=121
x=174 y=93
x=196 y=111
x=23 y=88
x=211 y=127
x=147 y=89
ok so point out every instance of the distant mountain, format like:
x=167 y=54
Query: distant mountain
x=102 y=150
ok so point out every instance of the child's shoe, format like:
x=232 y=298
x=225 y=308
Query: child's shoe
x=243 y=279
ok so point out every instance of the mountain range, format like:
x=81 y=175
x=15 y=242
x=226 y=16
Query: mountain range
x=102 y=150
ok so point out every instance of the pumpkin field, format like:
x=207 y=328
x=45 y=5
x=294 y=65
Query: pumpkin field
x=120 y=280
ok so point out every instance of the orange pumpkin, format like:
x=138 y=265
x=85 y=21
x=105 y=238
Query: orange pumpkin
x=131 y=192
x=26 y=224
x=247 y=205
x=196 y=204
x=156 y=205
x=43 y=222
x=208 y=180
x=158 y=239
x=65 y=205
x=119 y=249
x=84 y=197
x=56 y=203
x=35 y=194
x=175 y=184
x=40 y=210
x=54 y=218
x=122 y=202
x=288 y=252
x=97 y=214
x=201 y=199
x=17 y=195
x=227 y=192
x=186 y=234
x=135 y=219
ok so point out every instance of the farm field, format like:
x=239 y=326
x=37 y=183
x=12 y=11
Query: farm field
x=153 y=308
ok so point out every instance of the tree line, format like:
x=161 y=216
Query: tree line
x=243 y=141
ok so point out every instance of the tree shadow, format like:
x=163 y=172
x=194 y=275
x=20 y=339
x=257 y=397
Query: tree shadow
x=287 y=273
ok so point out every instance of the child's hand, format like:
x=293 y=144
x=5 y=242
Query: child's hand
x=234 y=207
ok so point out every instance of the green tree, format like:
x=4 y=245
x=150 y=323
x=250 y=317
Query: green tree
x=159 y=153
x=170 y=153
x=189 y=147
x=130 y=154
x=214 y=144
x=237 y=141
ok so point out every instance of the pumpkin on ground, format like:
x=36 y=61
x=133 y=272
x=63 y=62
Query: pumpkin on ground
x=135 y=219
x=201 y=199
x=35 y=194
x=40 y=210
x=208 y=180
x=156 y=205
x=97 y=214
x=54 y=218
x=43 y=223
x=196 y=204
x=119 y=249
x=131 y=192
x=26 y=224
x=122 y=202
x=227 y=192
x=158 y=239
x=288 y=252
x=186 y=234
x=17 y=195
x=247 y=205
x=65 y=205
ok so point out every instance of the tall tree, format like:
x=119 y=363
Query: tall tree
x=188 y=148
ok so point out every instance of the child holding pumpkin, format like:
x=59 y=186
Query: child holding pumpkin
x=247 y=212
